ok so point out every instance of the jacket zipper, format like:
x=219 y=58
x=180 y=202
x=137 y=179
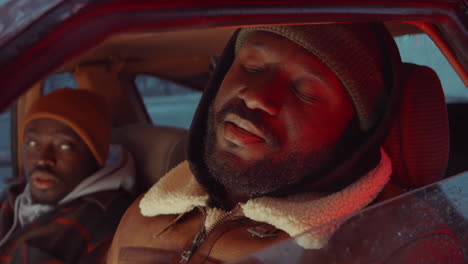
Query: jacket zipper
x=203 y=234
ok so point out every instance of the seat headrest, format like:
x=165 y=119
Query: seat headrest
x=418 y=142
x=156 y=150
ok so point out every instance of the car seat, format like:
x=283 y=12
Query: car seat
x=418 y=142
x=156 y=150
x=458 y=143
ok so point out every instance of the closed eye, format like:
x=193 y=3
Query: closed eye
x=303 y=91
x=252 y=69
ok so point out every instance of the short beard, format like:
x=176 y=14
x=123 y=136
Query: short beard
x=266 y=176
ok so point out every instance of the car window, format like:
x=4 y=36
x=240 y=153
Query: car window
x=167 y=103
x=420 y=49
x=5 y=148
x=57 y=81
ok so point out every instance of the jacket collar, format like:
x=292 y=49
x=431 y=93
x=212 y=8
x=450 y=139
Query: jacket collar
x=117 y=172
x=178 y=192
x=102 y=199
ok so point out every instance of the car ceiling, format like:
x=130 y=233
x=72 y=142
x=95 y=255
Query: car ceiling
x=181 y=56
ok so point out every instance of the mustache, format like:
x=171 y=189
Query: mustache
x=43 y=169
x=255 y=116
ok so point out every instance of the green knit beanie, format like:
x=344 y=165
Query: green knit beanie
x=352 y=51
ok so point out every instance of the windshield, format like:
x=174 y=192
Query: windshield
x=18 y=14
x=437 y=215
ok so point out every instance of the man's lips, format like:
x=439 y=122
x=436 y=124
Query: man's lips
x=245 y=125
x=42 y=180
x=241 y=131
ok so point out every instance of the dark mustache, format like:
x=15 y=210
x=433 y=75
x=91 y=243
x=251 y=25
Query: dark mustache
x=255 y=116
x=42 y=169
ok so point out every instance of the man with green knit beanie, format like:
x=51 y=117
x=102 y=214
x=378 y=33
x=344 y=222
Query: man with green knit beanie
x=284 y=140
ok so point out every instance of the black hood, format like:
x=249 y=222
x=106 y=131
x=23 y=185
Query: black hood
x=345 y=170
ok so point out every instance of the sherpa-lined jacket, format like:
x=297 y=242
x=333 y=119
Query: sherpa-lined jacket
x=172 y=223
x=77 y=230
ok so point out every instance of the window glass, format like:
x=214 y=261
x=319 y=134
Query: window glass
x=5 y=150
x=434 y=217
x=419 y=49
x=167 y=103
x=57 y=81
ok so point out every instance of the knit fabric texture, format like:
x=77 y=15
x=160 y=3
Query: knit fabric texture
x=353 y=51
x=84 y=111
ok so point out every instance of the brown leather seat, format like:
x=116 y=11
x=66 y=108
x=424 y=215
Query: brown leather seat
x=156 y=150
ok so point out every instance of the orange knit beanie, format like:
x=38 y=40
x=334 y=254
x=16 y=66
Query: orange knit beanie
x=85 y=112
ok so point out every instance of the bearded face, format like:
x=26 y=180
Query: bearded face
x=264 y=176
x=278 y=117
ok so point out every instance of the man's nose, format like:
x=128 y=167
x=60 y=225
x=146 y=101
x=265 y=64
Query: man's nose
x=265 y=94
x=46 y=156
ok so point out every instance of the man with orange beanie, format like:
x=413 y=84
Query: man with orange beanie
x=77 y=185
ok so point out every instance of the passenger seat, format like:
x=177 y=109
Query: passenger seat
x=156 y=150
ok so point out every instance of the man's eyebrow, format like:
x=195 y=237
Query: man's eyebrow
x=67 y=133
x=30 y=130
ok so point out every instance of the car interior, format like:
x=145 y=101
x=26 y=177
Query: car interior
x=427 y=133
x=111 y=67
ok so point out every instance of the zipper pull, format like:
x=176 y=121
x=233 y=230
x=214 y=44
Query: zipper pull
x=187 y=254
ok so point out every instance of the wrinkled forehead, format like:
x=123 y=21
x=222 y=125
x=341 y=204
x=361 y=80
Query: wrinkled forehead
x=287 y=54
x=263 y=40
x=258 y=39
x=268 y=42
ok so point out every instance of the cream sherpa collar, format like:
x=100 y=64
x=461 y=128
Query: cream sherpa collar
x=178 y=192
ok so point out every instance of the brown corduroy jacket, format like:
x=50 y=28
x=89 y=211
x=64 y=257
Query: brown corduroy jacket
x=77 y=232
